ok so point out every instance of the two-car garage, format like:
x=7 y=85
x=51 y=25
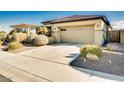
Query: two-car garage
x=81 y=34
x=79 y=29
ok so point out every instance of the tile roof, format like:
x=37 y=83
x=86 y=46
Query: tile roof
x=24 y=26
x=77 y=18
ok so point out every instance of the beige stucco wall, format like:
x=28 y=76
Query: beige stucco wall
x=93 y=34
x=99 y=31
x=98 y=37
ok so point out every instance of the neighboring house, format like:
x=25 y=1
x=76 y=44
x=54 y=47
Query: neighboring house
x=24 y=27
x=80 y=29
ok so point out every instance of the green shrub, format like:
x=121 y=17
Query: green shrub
x=41 y=40
x=14 y=45
x=20 y=37
x=12 y=32
x=42 y=30
x=91 y=49
x=31 y=38
x=10 y=38
x=3 y=36
x=1 y=42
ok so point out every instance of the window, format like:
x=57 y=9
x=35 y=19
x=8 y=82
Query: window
x=62 y=29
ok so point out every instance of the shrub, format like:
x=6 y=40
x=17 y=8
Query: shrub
x=91 y=49
x=1 y=42
x=10 y=38
x=41 y=40
x=14 y=45
x=20 y=37
x=12 y=32
x=3 y=36
x=31 y=38
x=42 y=30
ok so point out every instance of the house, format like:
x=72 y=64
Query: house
x=80 y=29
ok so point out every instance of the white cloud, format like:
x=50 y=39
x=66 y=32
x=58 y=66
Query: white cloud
x=118 y=24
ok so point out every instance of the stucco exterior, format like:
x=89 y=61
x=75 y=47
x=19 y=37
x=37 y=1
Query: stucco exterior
x=86 y=31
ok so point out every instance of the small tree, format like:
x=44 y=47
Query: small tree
x=10 y=37
x=42 y=30
x=12 y=32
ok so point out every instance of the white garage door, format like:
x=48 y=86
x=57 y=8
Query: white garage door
x=78 y=35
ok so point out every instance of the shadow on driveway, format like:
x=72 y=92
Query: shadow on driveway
x=4 y=79
x=73 y=55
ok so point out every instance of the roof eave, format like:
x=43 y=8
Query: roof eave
x=103 y=18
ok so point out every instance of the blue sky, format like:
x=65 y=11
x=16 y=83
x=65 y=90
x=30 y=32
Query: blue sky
x=8 y=18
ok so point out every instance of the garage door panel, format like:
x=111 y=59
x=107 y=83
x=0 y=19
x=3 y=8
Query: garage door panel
x=78 y=35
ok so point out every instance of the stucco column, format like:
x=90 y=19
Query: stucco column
x=28 y=30
x=98 y=34
x=56 y=34
x=98 y=37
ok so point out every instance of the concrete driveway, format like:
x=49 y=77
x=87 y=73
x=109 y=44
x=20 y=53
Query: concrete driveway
x=58 y=53
x=48 y=63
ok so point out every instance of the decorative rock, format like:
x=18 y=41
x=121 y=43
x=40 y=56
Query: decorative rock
x=92 y=57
